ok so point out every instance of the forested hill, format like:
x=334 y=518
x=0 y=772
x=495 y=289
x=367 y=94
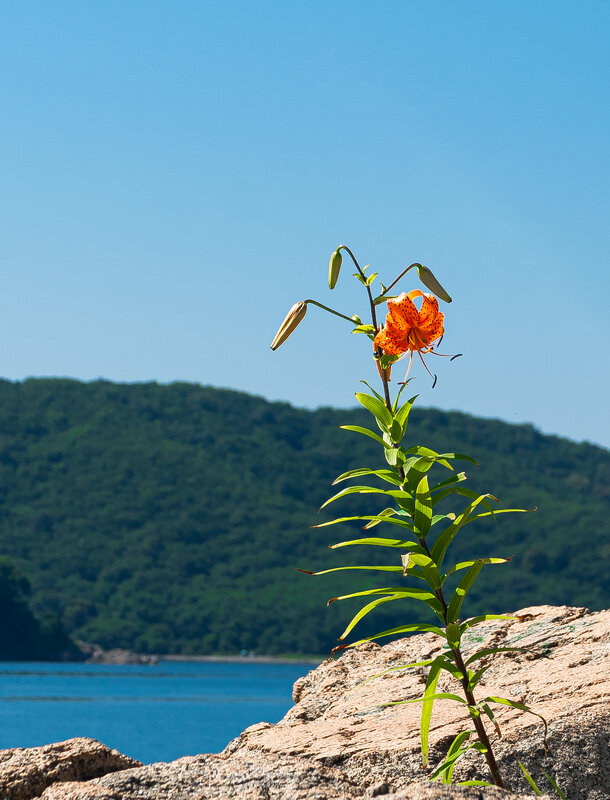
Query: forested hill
x=169 y=518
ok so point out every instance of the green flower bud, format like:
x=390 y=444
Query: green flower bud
x=426 y=276
x=293 y=318
x=334 y=267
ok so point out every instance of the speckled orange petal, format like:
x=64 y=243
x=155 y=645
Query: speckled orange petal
x=402 y=313
x=391 y=342
x=428 y=310
x=435 y=329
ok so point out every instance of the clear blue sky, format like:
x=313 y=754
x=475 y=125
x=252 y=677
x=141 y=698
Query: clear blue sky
x=175 y=175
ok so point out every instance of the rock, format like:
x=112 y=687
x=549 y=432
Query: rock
x=94 y=654
x=340 y=742
x=26 y=772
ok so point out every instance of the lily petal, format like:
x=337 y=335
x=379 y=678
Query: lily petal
x=402 y=313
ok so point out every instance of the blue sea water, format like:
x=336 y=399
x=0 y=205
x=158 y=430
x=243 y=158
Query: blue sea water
x=151 y=713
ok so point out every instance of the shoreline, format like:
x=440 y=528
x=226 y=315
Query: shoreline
x=253 y=659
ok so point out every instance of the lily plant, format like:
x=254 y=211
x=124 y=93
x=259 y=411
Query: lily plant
x=421 y=534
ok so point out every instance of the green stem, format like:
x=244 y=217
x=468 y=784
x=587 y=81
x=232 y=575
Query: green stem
x=402 y=274
x=457 y=655
x=378 y=351
x=330 y=310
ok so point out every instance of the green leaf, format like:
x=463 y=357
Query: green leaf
x=377 y=409
x=364 y=432
x=474 y=783
x=447 y=483
x=340 y=569
x=391 y=520
x=403 y=544
x=391 y=593
x=463 y=492
x=371 y=278
x=412 y=628
x=446 y=537
x=382 y=515
x=426 y=451
x=363 y=490
x=502 y=511
x=364 y=329
x=487 y=651
x=470 y=623
x=462 y=590
x=401 y=417
x=530 y=780
x=368 y=386
x=398 y=395
x=427 y=706
x=387 y=475
x=520 y=706
x=554 y=784
x=363 y=612
x=428 y=455
x=394 y=456
x=425 y=663
x=423 y=509
x=453 y=632
x=445 y=768
x=396 y=432
x=387 y=360
x=464 y=564
x=475 y=677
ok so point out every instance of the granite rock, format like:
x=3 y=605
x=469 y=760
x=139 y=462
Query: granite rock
x=339 y=740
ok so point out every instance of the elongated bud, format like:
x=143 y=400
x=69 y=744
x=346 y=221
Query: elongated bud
x=426 y=276
x=334 y=267
x=293 y=318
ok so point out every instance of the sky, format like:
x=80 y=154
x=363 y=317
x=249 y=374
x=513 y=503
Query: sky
x=175 y=175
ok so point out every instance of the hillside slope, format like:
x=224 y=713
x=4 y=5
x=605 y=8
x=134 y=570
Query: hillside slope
x=169 y=518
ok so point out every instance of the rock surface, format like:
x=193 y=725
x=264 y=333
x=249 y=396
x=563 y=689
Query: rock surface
x=27 y=772
x=339 y=742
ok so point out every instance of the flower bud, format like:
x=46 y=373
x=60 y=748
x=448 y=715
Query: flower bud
x=426 y=276
x=334 y=267
x=293 y=318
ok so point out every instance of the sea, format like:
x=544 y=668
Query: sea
x=149 y=712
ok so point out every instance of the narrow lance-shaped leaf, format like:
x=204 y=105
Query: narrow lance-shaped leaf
x=423 y=509
x=341 y=569
x=446 y=537
x=412 y=628
x=530 y=780
x=403 y=544
x=521 y=707
x=364 y=432
x=465 y=564
x=363 y=612
x=377 y=409
x=461 y=591
x=395 y=493
x=385 y=474
x=487 y=651
x=427 y=706
x=390 y=520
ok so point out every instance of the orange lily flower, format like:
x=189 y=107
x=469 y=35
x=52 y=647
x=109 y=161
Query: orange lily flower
x=409 y=330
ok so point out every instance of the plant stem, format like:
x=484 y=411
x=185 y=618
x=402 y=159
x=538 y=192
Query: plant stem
x=457 y=655
x=402 y=274
x=330 y=310
x=378 y=351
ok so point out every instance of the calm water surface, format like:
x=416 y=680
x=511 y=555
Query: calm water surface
x=152 y=713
